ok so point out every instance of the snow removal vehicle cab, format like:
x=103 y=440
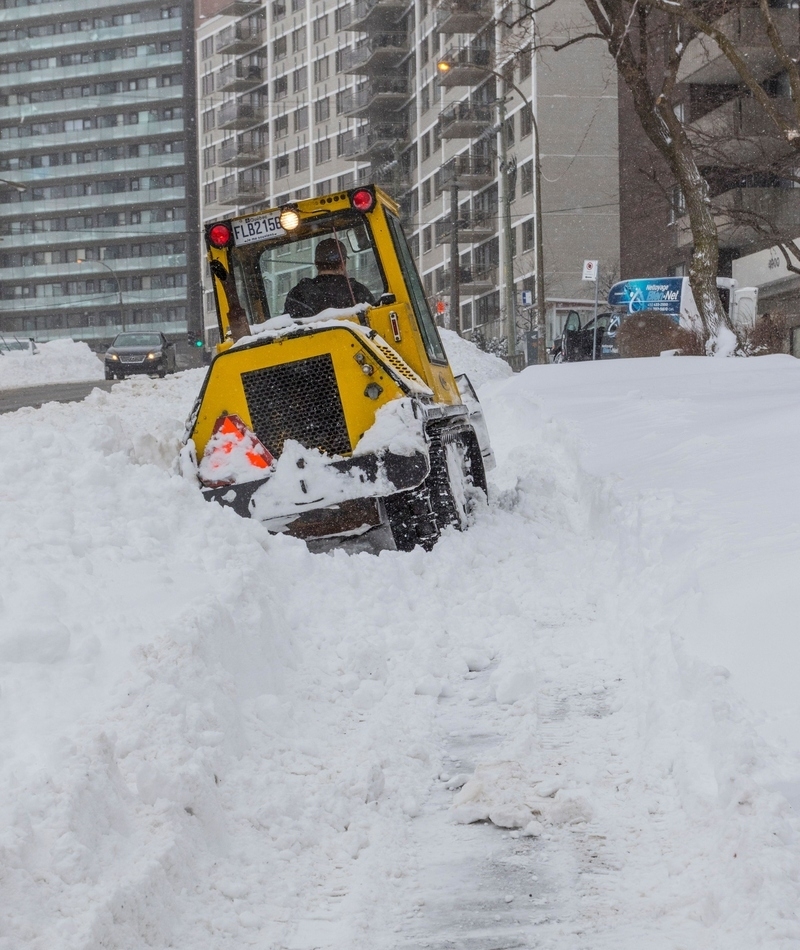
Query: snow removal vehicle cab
x=339 y=423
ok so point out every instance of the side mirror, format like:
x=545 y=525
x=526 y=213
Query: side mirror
x=386 y=300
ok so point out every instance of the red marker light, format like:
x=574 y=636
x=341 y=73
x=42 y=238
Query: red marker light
x=363 y=200
x=219 y=235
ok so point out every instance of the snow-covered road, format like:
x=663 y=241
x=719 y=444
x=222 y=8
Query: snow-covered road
x=536 y=735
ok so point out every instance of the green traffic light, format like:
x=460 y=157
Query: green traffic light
x=198 y=342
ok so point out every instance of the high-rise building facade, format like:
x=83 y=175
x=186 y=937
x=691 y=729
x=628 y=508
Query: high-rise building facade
x=98 y=168
x=302 y=97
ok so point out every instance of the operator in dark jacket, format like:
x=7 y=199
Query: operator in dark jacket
x=330 y=288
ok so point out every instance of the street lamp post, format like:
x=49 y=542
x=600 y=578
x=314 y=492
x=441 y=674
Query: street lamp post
x=443 y=66
x=455 y=259
x=116 y=281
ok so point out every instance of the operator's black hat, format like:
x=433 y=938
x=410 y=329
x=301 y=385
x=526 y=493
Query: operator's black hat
x=330 y=251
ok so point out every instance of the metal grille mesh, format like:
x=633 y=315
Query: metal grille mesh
x=298 y=401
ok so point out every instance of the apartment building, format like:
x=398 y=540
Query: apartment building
x=98 y=171
x=750 y=168
x=302 y=97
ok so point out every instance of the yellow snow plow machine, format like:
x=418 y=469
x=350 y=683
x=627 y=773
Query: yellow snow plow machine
x=329 y=410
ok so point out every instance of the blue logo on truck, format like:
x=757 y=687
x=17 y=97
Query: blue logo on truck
x=661 y=294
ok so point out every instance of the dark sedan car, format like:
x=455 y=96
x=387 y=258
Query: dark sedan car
x=576 y=341
x=140 y=352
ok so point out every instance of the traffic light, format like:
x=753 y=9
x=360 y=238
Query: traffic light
x=194 y=339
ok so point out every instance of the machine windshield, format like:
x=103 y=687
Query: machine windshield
x=267 y=272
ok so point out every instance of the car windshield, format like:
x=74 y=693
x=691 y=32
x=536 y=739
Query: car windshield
x=6 y=344
x=137 y=339
x=266 y=272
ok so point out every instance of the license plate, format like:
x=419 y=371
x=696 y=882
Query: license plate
x=257 y=229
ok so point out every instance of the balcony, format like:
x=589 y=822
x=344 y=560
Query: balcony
x=380 y=95
x=240 y=8
x=378 y=139
x=241 y=38
x=704 y=62
x=382 y=52
x=739 y=133
x=478 y=279
x=464 y=121
x=240 y=77
x=240 y=115
x=473 y=228
x=466 y=67
x=239 y=154
x=463 y=16
x=391 y=178
x=750 y=216
x=241 y=192
x=469 y=172
x=372 y=15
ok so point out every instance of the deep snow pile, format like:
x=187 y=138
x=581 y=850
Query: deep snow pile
x=59 y=361
x=214 y=739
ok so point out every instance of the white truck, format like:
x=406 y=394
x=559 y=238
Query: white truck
x=673 y=296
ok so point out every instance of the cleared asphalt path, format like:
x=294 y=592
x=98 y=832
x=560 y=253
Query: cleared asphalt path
x=35 y=396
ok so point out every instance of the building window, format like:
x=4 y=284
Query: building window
x=526 y=178
x=322 y=110
x=299 y=40
x=299 y=79
x=426 y=192
x=298 y=5
x=341 y=18
x=281 y=87
x=208 y=120
x=210 y=193
x=525 y=122
x=278 y=10
x=301 y=159
x=341 y=101
x=322 y=152
x=508 y=131
x=345 y=181
x=207 y=84
x=427 y=239
x=525 y=65
x=677 y=205
x=280 y=47
x=426 y=146
x=339 y=58
x=301 y=119
x=527 y=235
x=343 y=139
x=321 y=28
x=209 y=160
x=321 y=69
x=425 y=99
x=282 y=127
x=207 y=48
x=282 y=166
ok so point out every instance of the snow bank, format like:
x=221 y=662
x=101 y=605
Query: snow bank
x=59 y=361
x=467 y=358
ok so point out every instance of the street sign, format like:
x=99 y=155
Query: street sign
x=590 y=270
x=527 y=298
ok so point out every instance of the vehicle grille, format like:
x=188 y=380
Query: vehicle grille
x=131 y=359
x=298 y=401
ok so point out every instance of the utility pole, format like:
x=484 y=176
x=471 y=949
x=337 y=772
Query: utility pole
x=508 y=259
x=455 y=271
